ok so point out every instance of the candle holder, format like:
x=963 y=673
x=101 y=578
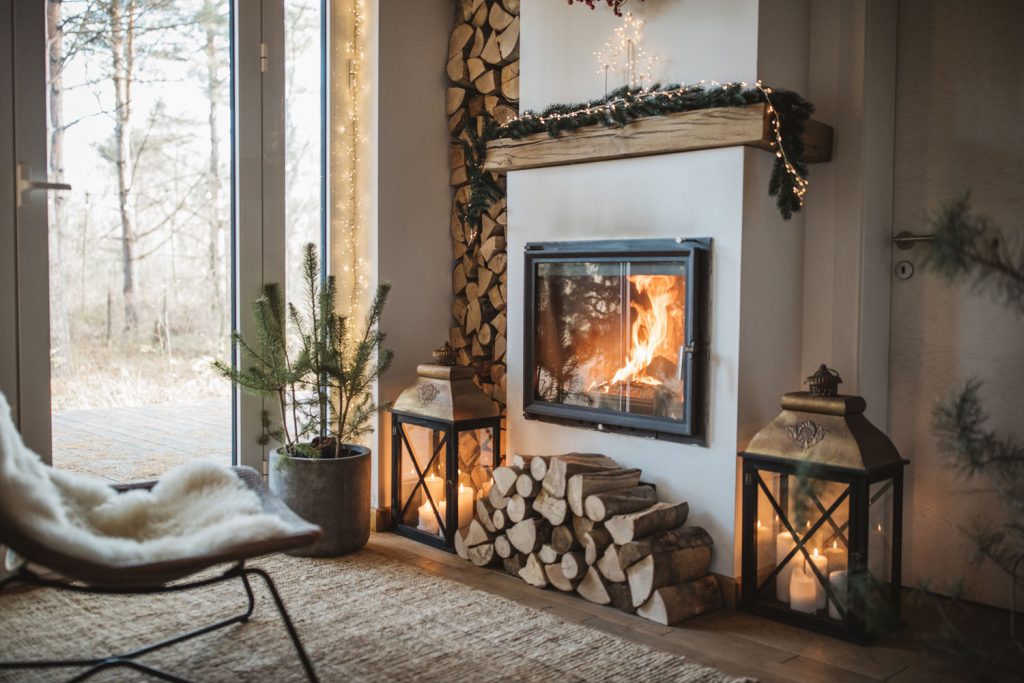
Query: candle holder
x=445 y=442
x=823 y=516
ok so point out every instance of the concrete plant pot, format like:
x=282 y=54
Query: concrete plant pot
x=333 y=493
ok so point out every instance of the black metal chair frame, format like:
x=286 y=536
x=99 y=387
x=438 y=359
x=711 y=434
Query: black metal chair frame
x=128 y=660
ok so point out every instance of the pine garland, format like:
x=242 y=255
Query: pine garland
x=788 y=179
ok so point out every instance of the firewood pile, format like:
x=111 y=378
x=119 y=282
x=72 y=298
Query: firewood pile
x=581 y=523
x=483 y=70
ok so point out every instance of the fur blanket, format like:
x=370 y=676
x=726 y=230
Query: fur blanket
x=195 y=509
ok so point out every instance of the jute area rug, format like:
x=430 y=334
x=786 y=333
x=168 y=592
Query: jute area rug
x=364 y=617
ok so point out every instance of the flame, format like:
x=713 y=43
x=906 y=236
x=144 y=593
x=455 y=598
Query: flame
x=650 y=330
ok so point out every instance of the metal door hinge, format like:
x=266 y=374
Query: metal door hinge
x=263 y=58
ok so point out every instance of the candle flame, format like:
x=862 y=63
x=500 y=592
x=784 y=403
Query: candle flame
x=815 y=552
x=835 y=545
x=758 y=524
x=879 y=527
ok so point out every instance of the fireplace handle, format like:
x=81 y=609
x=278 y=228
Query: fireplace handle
x=685 y=362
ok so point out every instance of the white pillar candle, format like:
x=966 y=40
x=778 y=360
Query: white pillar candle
x=836 y=557
x=765 y=546
x=784 y=543
x=821 y=562
x=877 y=553
x=435 y=485
x=466 y=495
x=428 y=522
x=837 y=582
x=803 y=594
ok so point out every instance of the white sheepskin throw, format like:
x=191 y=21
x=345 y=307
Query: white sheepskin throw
x=195 y=509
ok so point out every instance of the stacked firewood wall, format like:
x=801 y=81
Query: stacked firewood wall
x=483 y=69
x=581 y=523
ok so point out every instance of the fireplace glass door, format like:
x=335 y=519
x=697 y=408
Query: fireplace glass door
x=615 y=334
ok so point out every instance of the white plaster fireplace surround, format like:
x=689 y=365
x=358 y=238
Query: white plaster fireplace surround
x=756 y=262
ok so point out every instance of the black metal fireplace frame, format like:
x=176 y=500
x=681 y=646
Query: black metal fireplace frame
x=696 y=254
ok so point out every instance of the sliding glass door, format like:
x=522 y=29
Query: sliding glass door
x=190 y=132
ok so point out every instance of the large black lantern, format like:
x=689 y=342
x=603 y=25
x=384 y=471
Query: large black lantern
x=445 y=442
x=823 y=516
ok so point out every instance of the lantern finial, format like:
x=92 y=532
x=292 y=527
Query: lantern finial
x=444 y=355
x=824 y=382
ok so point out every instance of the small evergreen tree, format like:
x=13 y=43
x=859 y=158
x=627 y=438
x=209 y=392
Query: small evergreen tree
x=323 y=389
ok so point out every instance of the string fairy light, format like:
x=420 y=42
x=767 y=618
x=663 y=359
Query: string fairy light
x=654 y=94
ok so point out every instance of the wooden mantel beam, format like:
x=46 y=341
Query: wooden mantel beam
x=682 y=132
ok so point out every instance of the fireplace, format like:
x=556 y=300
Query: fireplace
x=616 y=336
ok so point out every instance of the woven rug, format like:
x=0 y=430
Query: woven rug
x=365 y=617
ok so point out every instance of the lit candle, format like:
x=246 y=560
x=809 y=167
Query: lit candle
x=465 y=505
x=784 y=543
x=821 y=562
x=803 y=594
x=837 y=581
x=435 y=485
x=428 y=522
x=765 y=546
x=836 y=557
x=877 y=553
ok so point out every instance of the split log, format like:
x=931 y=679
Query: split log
x=490 y=52
x=508 y=41
x=539 y=466
x=573 y=565
x=499 y=19
x=475 y=67
x=514 y=563
x=502 y=547
x=453 y=100
x=672 y=604
x=552 y=509
x=563 y=539
x=485 y=514
x=519 y=508
x=495 y=497
x=658 y=517
x=563 y=467
x=460 y=544
x=511 y=5
x=505 y=479
x=482 y=555
x=593 y=587
x=529 y=535
x=477 y=534
x=667 y=569
x=476 y=48
x=459 y=39
x=487 y=82
x=559 y=580
x=527 y=486
x=457 y=71
x=595 y=543
x=608 y=565
x=679 y=538
x=621 y=597
x=548 y=554
x=467 y=8
x=510 y=81
x=503 y=113
x=580 y=486
x=601 y=506
x=480 y=16
x=533 y=572
x=499 y=519
x=457 y=123
x=492 y=246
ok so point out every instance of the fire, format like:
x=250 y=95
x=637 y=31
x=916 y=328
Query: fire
x=651 y=334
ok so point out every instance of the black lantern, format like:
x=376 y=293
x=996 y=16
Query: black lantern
x=823 y=516
x=445 y=442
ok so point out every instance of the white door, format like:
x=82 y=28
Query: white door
x=955 y=131
x=169 y=120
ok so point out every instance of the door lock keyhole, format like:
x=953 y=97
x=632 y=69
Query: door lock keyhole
x=904 y=270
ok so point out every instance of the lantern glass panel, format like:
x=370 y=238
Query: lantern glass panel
x=422 y=471
x=880 y=531
x=476 y=463
x=794 y=514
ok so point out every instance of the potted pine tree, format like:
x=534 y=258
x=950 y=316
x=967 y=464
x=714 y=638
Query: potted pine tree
x=320 y=380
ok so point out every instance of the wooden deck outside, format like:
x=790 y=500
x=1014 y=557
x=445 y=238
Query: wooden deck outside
x=125 y=444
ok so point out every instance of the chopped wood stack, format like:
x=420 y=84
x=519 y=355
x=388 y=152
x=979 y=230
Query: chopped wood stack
x=581 y=523
x=483 y=67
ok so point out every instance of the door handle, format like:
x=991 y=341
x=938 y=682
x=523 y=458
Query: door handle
x=25 y=185
x=906 y=240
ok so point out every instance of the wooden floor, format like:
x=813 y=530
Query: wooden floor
x=734 y=642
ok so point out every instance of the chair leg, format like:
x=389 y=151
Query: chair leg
x=292 y=633
x=116 y=662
